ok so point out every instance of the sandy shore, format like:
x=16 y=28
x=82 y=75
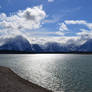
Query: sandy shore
x=11 y=82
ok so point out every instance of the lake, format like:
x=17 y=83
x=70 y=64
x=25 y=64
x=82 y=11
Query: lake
x=58 y=72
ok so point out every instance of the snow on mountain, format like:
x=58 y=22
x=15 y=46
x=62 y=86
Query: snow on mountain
x=20 y=43
x=86 y=47
x=17 y=43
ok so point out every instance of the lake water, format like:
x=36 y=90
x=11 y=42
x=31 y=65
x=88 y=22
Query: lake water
x=58 y=72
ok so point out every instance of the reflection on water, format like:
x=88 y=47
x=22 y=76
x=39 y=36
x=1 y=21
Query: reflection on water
x=59 y=72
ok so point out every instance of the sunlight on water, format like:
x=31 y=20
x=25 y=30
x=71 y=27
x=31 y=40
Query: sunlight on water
x=40 y=71
x=58 y=72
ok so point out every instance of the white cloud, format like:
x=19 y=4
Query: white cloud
x=85 y=34
x=50 y=0
x=75 y=22
x=31 y=18
x=28 y=19
x=64 y=40
x=81 y=36
x=63 y=27
x=89 y=25
x=79 y=22
x=60 y=33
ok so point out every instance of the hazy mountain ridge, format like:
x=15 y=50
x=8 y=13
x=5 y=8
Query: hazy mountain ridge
x=20 y=43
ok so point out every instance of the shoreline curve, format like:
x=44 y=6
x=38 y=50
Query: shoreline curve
x=11 y=82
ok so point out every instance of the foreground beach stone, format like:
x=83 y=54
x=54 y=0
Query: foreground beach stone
x=11 y=82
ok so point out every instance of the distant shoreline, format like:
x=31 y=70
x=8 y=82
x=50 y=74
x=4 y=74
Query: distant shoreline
x=24 y=52
x=11 y=82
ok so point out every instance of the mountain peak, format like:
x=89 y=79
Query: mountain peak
x=18 y=43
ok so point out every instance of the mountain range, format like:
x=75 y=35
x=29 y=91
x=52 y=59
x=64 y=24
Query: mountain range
x=20 y=43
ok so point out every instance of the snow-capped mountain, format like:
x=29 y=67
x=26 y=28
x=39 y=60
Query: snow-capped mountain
x=86 y=47
x=54 y=47
x=20 y=43
x=37 y=48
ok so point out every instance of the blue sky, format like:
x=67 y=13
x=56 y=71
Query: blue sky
x=53 y=23
x=80 y=9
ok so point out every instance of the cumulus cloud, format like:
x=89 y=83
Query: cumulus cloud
x=32 y=18
x=28 y=19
